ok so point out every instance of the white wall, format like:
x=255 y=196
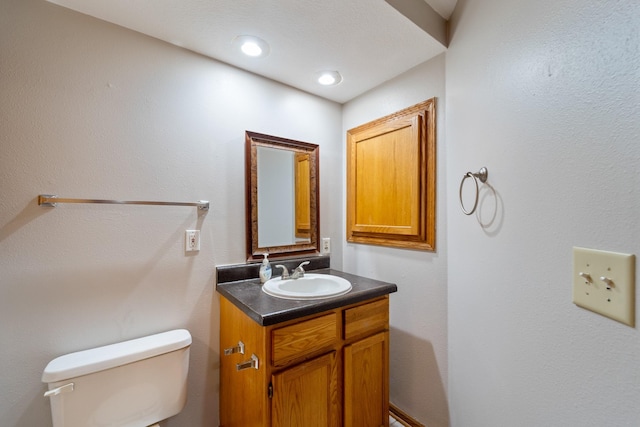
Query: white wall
x=418 y=320
x=91 y=110
x=546 y=95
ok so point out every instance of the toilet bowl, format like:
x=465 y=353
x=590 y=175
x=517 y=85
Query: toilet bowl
x=128 y=384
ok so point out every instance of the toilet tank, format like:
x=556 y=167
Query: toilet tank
x=128 y=384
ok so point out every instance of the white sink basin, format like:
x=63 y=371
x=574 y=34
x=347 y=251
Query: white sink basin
x=311 y=286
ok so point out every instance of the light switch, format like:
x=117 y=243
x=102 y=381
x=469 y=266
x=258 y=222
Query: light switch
x=604 y=282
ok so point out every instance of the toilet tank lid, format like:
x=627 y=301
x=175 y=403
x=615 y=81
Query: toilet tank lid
x=109 y=356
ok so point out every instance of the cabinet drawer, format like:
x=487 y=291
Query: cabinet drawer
x=300 y=339
x=365 y=318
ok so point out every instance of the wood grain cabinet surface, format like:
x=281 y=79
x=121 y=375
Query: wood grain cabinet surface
x=391 y=174
x=329 y=369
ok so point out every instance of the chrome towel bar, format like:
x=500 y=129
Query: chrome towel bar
x=52 y=201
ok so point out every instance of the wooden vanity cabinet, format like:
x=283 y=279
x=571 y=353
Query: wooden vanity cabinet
x=327 y=369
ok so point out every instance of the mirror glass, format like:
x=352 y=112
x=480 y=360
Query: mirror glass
x=282 y=196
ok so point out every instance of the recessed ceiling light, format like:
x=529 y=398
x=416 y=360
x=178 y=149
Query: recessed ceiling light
x=251 y=46
x=328 y=78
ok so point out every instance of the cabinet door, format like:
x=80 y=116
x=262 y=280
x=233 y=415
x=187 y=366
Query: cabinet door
x=391 y=180
x=366 y=382
x=306 y=395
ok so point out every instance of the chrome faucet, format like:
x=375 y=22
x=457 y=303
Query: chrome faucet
x=297 y=273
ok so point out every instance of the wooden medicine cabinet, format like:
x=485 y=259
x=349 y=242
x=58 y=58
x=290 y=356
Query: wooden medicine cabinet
x=391 y=184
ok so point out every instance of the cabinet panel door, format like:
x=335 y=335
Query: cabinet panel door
x=366 y=382
x=391 y=179
x=306 y=395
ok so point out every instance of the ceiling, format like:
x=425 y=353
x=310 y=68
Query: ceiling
x=367 y=41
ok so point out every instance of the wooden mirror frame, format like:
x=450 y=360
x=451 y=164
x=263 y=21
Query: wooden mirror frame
x=255 y=252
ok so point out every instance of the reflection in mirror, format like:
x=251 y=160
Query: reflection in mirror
x=301 y=193
x=282 y=196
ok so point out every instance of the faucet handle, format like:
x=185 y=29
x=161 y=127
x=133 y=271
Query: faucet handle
x=299 y=268
x=299 y=271
x=285 y=272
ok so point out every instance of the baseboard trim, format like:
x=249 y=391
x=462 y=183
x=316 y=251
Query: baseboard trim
x=402 y=417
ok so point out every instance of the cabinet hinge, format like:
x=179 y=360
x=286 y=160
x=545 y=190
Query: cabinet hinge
x=270 y=390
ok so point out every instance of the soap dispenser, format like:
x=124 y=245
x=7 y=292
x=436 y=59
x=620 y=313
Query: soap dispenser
x=265 y=269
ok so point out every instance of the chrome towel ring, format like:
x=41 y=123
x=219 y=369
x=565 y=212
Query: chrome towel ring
x=480 y=175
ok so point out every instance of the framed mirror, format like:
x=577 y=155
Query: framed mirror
x=282 y=194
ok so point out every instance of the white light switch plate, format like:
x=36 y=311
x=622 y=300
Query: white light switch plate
x=604 y=282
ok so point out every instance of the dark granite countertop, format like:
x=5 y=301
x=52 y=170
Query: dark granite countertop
x=266 y=310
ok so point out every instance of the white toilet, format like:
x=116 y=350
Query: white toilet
x=134 y=383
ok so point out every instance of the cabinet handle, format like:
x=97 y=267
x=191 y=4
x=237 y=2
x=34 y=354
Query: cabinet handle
x=237 y=349
x=251 y=363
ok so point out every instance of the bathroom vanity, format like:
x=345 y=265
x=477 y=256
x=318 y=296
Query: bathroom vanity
x=321 y=362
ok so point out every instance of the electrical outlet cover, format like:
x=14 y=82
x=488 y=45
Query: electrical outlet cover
x=326 y=246
x=604 y=282
x=192 y=240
